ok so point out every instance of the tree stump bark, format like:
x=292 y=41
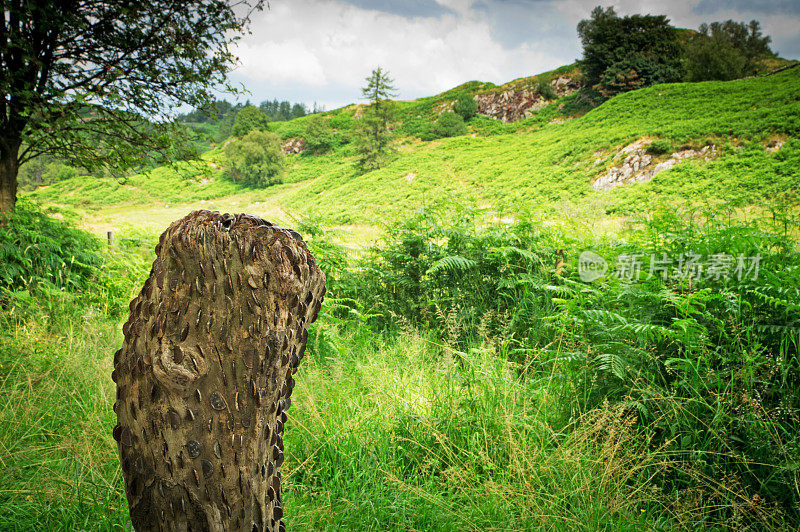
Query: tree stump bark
x=205 y=374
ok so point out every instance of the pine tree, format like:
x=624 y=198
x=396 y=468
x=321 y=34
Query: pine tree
x=373 y=133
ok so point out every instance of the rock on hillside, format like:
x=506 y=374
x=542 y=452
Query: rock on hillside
x=516 y=104
x=510 y=105
x=293 y=145
x=637 y=166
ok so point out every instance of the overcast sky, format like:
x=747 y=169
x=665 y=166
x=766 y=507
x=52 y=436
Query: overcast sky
x=321 y=50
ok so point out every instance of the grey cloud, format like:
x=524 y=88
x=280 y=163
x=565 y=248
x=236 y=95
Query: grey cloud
x=537 y=22
x=766 y=7
x=406 y=8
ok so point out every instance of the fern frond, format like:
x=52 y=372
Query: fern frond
x=451 y=263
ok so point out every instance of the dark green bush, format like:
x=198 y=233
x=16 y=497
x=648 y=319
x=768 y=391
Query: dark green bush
x=341 y=122
x=449 y=124
x=419 y=127
x=465 y=106
x=249 y=118
x=318 y=134
x=545 y=89
x=659 y=147
x=44 y=170
x=726 y=50
x=37 y=250
x=430 y=266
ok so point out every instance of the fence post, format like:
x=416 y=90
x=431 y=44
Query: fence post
x=110 y=235
x=205 y=374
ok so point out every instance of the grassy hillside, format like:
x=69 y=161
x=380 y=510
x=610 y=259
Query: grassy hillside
x=529 y=164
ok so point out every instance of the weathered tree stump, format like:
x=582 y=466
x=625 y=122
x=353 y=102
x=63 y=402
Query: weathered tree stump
x=205 y=374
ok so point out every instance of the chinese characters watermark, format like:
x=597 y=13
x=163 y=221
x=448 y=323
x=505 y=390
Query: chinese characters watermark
x=691 y=266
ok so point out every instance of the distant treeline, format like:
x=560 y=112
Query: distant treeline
x=627 y=53
x=276 y=111
x=219 y=121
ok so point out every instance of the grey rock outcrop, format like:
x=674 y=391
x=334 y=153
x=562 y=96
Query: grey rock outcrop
x=510 y=105
x=293 y=145
x=636 y=166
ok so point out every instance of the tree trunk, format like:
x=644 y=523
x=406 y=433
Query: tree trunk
x=8 y=180
x=205 y=374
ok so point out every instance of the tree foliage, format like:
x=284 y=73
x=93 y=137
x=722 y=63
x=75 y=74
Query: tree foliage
x=726 y=50
x=276 y=111
x=218 y=110
x=97 y=82
x=318 y=134
x=255 y=159
x=449 y=124
x=249 y=118
x=38 y=251
x=372 y=134
x=625 y=53
x=284 y=110
x=465 y=106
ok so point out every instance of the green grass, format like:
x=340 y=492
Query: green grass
x=530 y=164
x=59 y=461
x=412 y=435
x=454 y=380
x=383 y=435
x=414 y=425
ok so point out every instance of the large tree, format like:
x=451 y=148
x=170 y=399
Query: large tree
x=625 y=53
x=95 y=83
x=726 y=50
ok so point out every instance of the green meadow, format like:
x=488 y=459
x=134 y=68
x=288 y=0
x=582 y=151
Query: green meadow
x=462 y=375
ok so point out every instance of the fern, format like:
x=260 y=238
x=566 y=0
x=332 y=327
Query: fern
x=614 y=363
x=37 y=250
x=453 y=263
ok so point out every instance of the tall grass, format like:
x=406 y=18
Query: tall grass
x=460 y=377
x=413 y=435
x=708 y=367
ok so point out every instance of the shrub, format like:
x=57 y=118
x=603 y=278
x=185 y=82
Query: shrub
x=626 y=53
x=59 y=172
x=419 y=126
x=635 y=72
x=449 y=124
x=726 y=50
x=433 y=265
x=37 y=250
x=255 y=159
x=544 y=88
x=659 y=147
x=341 y=121
x=318 y=134
x=249 y=118
x=44 y=170
x=466 y=106
x=224 y=128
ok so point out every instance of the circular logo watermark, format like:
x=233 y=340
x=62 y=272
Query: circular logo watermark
x=591 y=266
